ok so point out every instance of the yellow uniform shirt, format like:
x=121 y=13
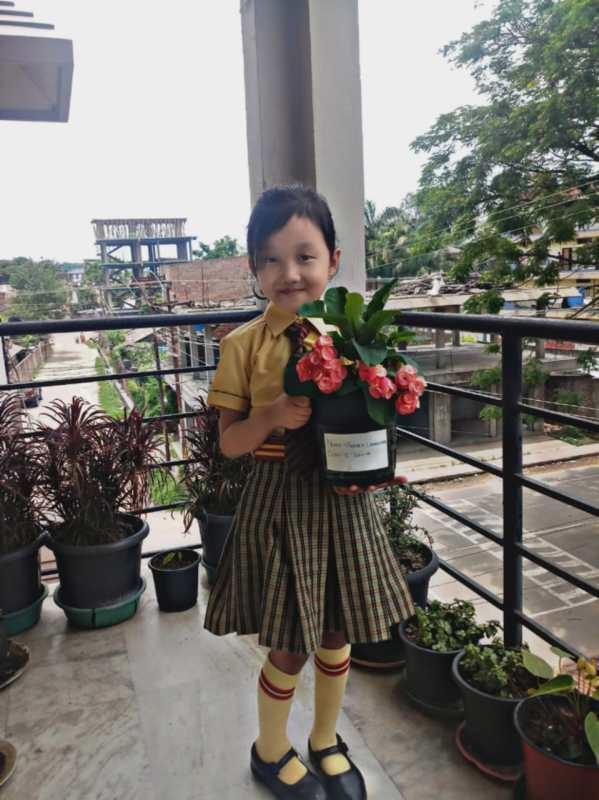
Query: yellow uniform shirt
x=253 y=358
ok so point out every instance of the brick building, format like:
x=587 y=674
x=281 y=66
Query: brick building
x=211 y=281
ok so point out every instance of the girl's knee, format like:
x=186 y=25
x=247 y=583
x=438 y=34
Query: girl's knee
x=291 y=663
x=334 y=640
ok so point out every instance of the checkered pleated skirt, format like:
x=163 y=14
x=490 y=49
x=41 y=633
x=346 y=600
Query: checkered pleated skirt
x=301 y=560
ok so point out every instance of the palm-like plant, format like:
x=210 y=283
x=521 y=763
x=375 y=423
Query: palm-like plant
x=214 y=482
x=21 y=516
x=95 y=469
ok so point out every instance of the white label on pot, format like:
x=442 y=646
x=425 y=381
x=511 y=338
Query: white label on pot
x=356 y=452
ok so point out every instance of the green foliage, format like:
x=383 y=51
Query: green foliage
x=533 y=373
x=588 y=360
x=486 y=379
x=448 y=626
x=167 y=489
x=489 y=302
x=226 y=247
x=574 y=736
x=396 y=506
x=109 y=398
x=492 y=347
x=41 y=289
x=569 y=401
x=491 y=413
x=496 y=670
x=503 y=170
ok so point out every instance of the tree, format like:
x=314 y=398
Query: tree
x=41 y=289
x=506 y=178
x=222 y=248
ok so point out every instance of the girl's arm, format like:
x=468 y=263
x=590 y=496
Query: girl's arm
x=239 y=434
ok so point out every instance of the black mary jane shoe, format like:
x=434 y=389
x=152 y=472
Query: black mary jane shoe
x=307 y=788
x=349 y=785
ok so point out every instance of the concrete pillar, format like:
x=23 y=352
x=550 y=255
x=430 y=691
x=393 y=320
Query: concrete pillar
x=439 y=413
x=182 y=252
x=194 y=351
x=304 y=111
x=540 y=348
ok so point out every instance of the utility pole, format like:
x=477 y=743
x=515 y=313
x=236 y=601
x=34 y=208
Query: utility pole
x=167 y=447
x=175 y=351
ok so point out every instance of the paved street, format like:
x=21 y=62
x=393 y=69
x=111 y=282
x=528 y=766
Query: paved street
x=69 y=359
x=554 y=530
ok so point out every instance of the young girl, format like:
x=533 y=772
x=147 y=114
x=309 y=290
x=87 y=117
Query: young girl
x=306 y=567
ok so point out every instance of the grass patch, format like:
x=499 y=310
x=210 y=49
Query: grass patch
x=167 y=489
x=109 y=398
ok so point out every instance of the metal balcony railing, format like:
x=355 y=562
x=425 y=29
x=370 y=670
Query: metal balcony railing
x=512 y=331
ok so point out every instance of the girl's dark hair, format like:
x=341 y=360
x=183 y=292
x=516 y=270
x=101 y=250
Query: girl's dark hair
x=275 y=207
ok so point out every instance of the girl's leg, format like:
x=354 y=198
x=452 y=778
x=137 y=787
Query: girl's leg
x=331 y=662
x=276 y=687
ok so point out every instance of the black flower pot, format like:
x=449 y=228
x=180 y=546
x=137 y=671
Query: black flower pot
x=214 y=529
x=489 y=722
x=176 y=583
x=428 y=677
x=354 y=449
x=390 y=654
x=99 y=575
x=20 y=577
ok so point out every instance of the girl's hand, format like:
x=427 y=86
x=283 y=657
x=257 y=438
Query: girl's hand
x=400 y=479
x=291 y=412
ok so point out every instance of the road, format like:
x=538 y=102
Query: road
x=69 y=359
x=561 y=534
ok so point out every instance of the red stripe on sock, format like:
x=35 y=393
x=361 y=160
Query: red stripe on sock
x=332 y=670
x=274 y=691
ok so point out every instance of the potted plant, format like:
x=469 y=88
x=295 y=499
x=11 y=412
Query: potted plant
x=559 y=729
x=412 y=547
x=214 y=484
x=359 y=381
x=432 y=638
x=21 y=521
x=96 y=474
x=492 y=679
x=175 y=574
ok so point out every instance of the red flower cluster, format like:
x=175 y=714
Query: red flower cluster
x=408 y=384
x=323 y=366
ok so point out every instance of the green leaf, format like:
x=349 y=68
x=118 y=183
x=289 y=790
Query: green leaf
x=561 y=683
x=167 y=559
x=354 y=305
x=370 y=354
x=561 y=653
x=536 y=665
x=340 y=322
x=312 y=309
x=591 y=728
x=377 y=321
x=381 y=411
x=379 y=298
x=409 y=361
x=334 y=299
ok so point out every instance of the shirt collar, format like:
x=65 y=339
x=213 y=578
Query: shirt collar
x=279 y=319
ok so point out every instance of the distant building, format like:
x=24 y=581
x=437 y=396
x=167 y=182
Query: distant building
x=211 y=281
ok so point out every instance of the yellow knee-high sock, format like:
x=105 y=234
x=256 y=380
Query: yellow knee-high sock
x=275 y=695
x=330 y=677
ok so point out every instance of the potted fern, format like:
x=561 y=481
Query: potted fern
x=95 y=476
x=21 y=521
x=214 y=485
x=359 y=381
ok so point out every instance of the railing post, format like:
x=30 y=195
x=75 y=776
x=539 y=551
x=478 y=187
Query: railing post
x=511 y=367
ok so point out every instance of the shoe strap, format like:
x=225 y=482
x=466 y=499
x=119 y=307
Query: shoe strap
x=291 y=753
x=340 y=747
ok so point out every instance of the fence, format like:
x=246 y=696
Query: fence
x=512 y=331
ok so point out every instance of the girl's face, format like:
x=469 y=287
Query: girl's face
x=295 y=265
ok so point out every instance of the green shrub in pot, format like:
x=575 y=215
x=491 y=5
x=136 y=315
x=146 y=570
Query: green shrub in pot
x=432 y=638
x=214 y=484
x=95 y=479
x=21 y=520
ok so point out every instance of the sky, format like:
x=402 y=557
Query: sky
x=157 y=121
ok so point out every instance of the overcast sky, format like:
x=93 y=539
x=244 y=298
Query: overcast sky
x=157 y=122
